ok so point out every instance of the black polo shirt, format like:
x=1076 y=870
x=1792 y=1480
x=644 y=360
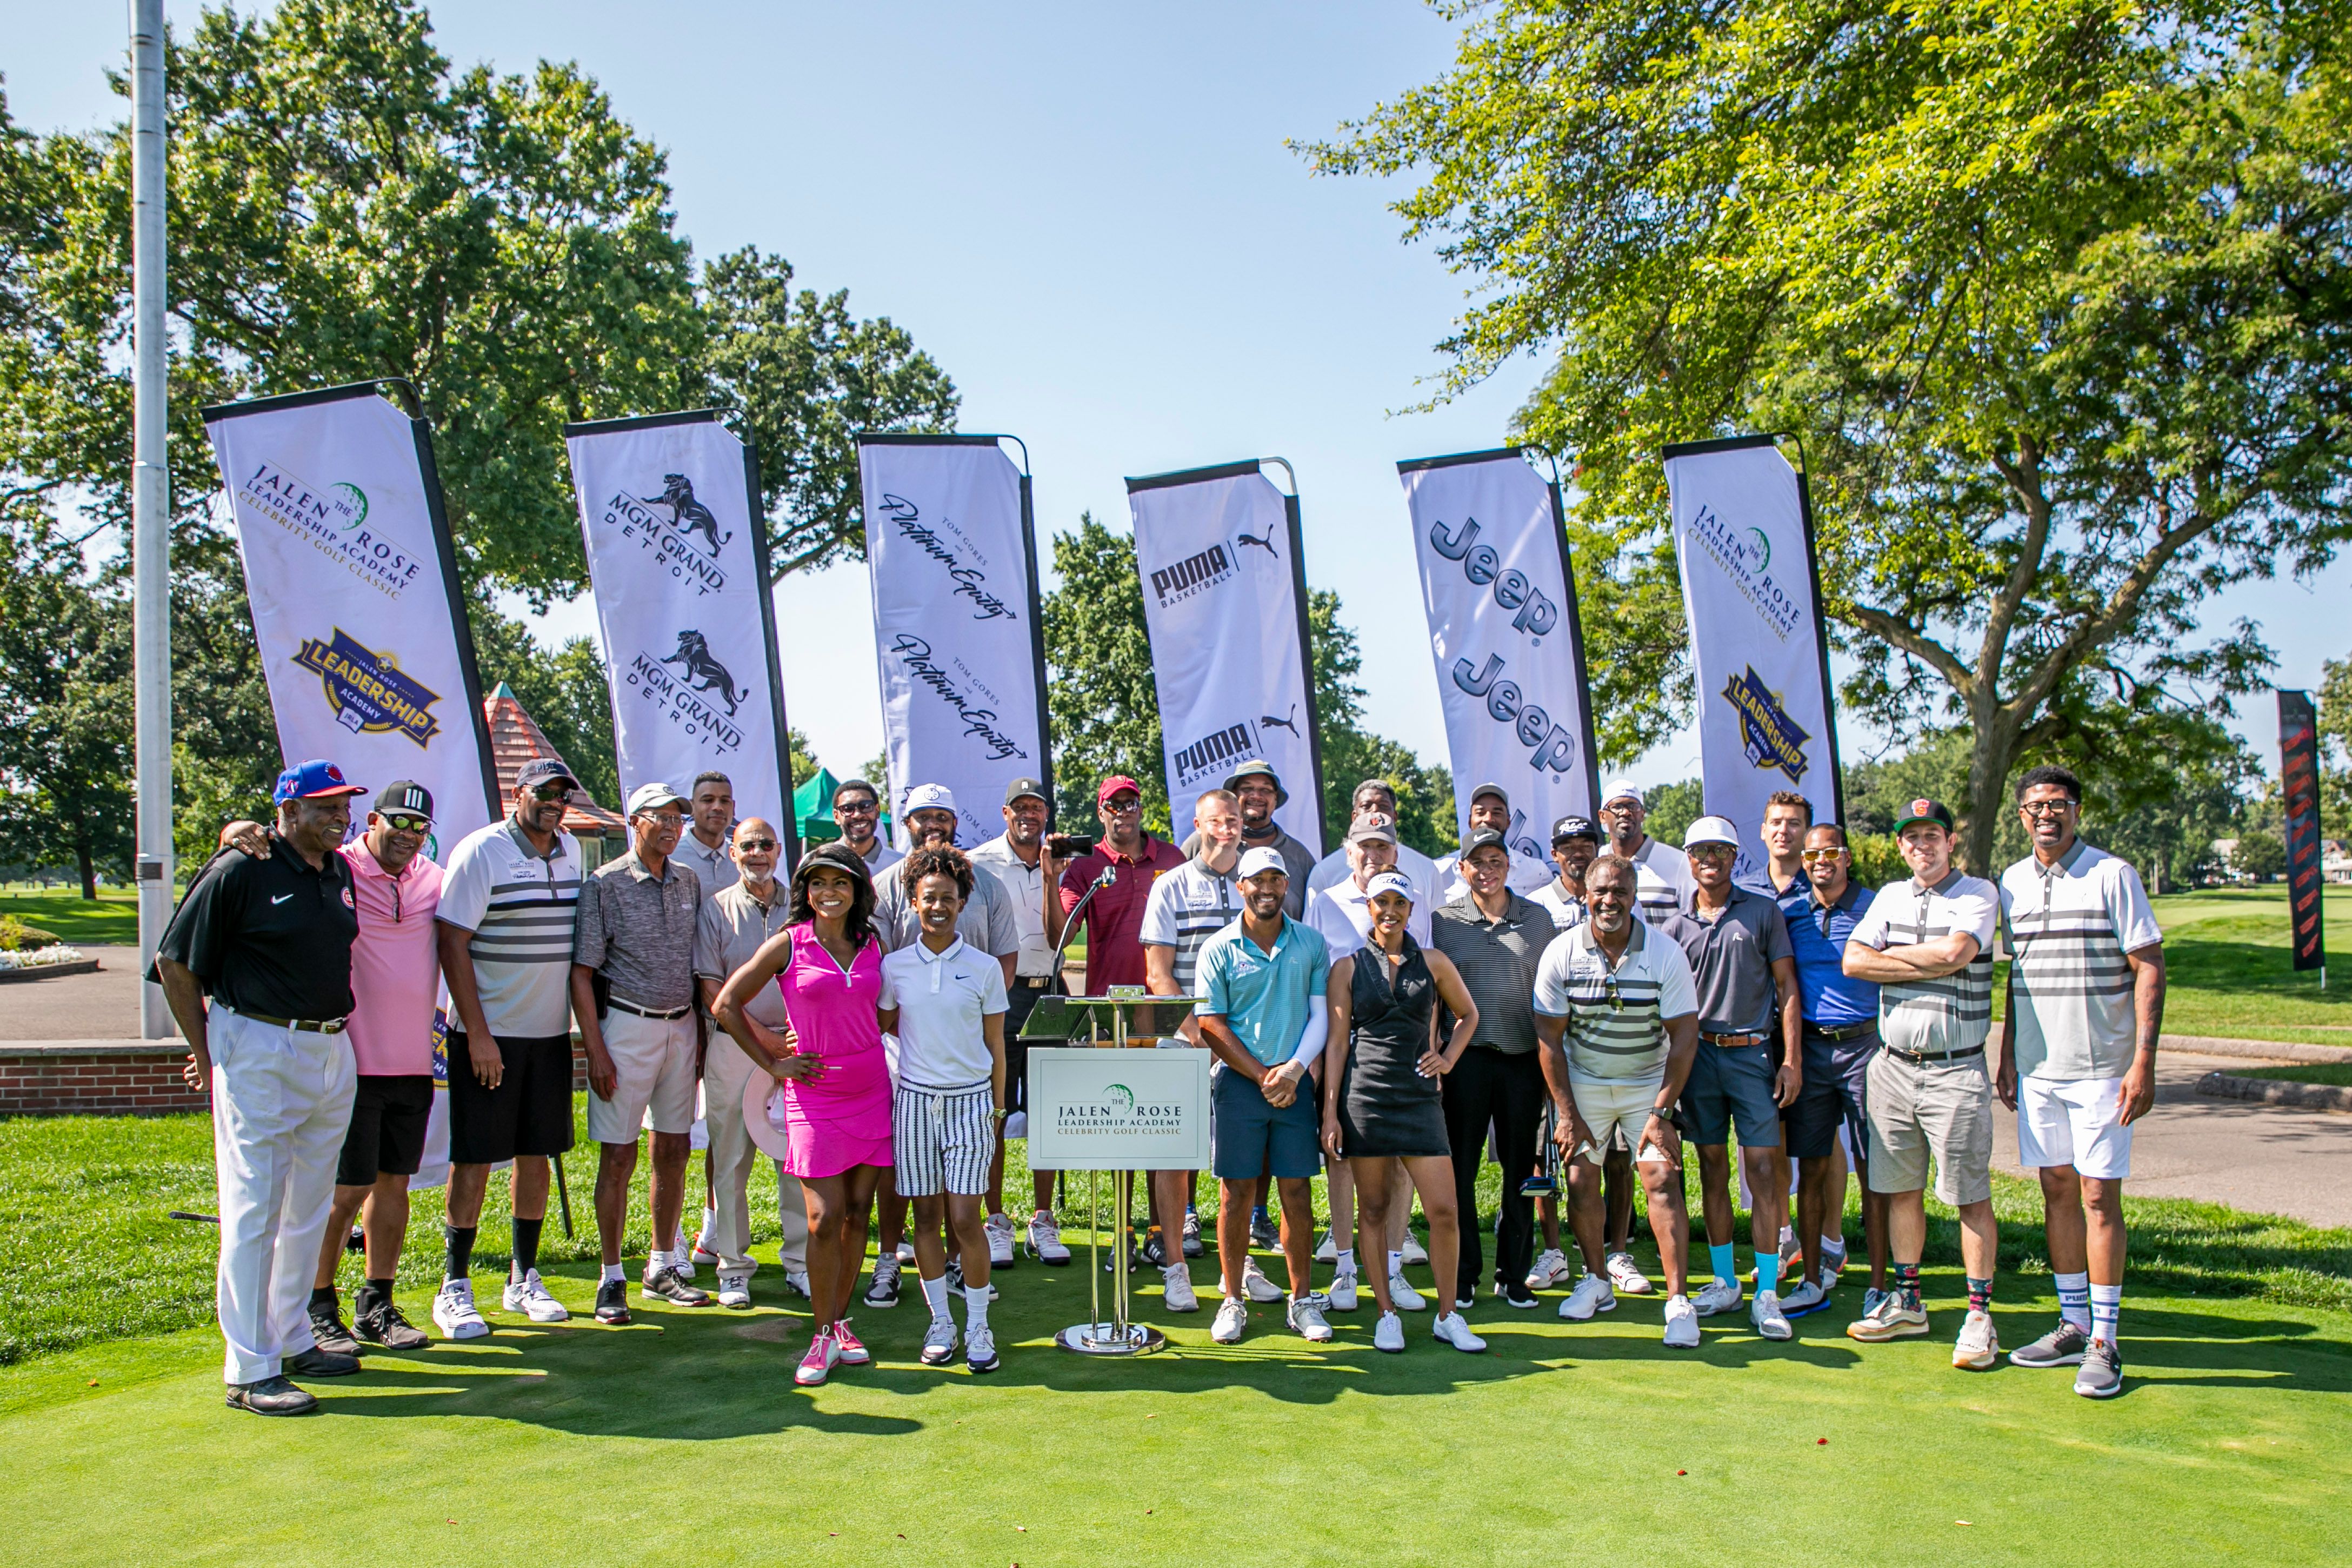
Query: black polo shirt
x=269 y=936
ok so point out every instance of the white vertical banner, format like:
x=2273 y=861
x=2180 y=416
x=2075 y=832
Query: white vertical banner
x=956 y=634
x=1225 y=602
x=1759 y=658
x=1488 y=536
x=678 y=556
x=354 y=587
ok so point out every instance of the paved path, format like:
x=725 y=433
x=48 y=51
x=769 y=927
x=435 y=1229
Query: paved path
x=2268 y=1159
x=104 y=1005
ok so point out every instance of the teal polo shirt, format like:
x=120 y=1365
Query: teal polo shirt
x=1263 y=996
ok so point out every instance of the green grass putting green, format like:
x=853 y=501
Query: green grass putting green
x=111 y=918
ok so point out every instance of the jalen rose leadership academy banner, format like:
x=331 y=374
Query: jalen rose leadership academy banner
x=1224 y=601
x=669 y=511
x=1759 y=658
x=949 y=546
x=1487 y=533
x=353 y=588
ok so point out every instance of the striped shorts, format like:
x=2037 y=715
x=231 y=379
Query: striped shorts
x=942 y=1139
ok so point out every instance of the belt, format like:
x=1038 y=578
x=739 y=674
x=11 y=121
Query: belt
x=1033 y=982
x=1934 y=1056
x=1840 y=1035
x=308 y=1026
x=664 y=1014
x=1729 y=1040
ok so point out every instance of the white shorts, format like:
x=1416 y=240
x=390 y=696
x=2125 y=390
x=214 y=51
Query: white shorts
x=942 y=1139
x=653 y=1062
x=1614 y=1108
x=2078 y=1124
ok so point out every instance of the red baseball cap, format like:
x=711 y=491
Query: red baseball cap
x=1114 y=784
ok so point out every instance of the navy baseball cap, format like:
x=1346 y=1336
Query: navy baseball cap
x=542 y=771
x=312 y=780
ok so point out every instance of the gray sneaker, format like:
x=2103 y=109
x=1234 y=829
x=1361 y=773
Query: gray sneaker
x=271 y=1397
x=665 y=1285
x=2102 y=1373
x=2061 y=1347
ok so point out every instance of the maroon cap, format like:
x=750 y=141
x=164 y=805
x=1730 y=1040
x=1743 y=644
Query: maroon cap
x=1114 y=784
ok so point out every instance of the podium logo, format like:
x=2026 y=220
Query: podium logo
x=1116 y=1110
x=333 y=519
x=367 y=690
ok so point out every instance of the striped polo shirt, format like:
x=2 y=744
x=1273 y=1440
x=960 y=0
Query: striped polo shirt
x=1934 y=1017
x=1661 y=877
x=1187 y=906
x=1616 y=1016
x=2069 y=926
x=520 y=906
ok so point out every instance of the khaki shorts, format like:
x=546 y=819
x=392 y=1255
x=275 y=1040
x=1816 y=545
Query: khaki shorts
x=653 y=1060
x=1942 y=1109
x=1614 y=1111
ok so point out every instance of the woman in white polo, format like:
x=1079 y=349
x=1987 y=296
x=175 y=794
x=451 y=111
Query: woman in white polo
x=947 y=1002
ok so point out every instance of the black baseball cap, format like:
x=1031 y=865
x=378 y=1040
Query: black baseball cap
x=1926 y=811
x=1568 y=828
x=407 y=795
x=1480 y=837
x=542 y=771
x=1026 y=789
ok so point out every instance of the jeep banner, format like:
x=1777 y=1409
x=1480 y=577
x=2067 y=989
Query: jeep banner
x=956 y=629
x=356 y=606
x=1744 y=536
x=1503 y=629
x=1225 y=602
x=677 y=557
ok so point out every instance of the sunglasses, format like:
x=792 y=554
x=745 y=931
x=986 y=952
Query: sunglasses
x=1811 y=855
x=552 y=793
x=1609 y=987
x=400 y=822
x=755 y=845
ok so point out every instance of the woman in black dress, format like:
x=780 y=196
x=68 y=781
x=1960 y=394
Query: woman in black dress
x=1381 y=1100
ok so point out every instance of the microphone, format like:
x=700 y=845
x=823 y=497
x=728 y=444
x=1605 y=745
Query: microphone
x=1109 y=877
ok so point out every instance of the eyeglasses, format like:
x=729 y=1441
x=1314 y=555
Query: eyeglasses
x=755 y=845
x=664 y=819
x=1811 y=855
x=552 y=793
x=2038 y=808
x=400 y=822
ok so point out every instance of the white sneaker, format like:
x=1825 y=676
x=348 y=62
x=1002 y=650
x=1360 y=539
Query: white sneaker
x=1832 y=1265
x=734 y=1290
x=528 y=1296
x=1388 y=1334
x=1176 y=1289
x=1413 y=1250
x=1232 y=1319
x=683 y=1261
x=799 y=1281
x=1328 y=1251
x=1454 y=1330
x=1806 y=1298
x=1979 y=1345
x=703 y=1252
x=1343 y=1291
x=1681 y=1324
x=1000 y=1241
x=1551 y=1269
x=979 y=1349
x=1258 y=1287
x=939 y=1341
x=454 y=1313
x=1406 y=1299
x=1591 y=1295
x=1765 y=1313
x=1626 y=1275
x=1720 y=1296
x=1045 y=1241
x=1306 y=1320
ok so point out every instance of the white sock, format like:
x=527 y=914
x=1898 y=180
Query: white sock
x=1396 y=1265
x=1833 y=1245
x=935 y=1292
x=710 y=1229
x=975 y=1305
x=656 y=1262
x=613 y=1272
x=1346 y=1259
x=2106 y=1310
x=2074 y=1299
x=1788 y=1234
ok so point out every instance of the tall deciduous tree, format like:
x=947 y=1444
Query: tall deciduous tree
x=64 y=660
x=2059 y=297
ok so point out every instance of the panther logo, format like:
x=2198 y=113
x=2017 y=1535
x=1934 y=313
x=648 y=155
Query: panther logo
x=1266 y=544
x=687 y=515
x=707 y=672
x=1290 y=723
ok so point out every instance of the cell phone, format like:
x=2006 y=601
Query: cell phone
x=1070 y=846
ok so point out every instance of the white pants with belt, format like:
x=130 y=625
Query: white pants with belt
x=281 y=1105
x=725 y=1070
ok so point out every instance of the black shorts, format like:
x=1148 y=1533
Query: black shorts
x=388 y=1114
x=1836 y=1080
x=1021 y=1000
x=530 y=1113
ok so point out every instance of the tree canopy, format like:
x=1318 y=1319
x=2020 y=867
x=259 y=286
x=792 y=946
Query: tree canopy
x=2057 y=298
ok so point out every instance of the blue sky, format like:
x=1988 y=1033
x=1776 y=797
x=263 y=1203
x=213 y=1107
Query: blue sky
x=1088 y=216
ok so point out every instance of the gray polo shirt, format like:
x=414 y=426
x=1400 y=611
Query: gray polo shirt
x=1498 y=959
x=714 y=869
x=1731 y=957
x=987 y=921
x=730 y=930
x=638 y=930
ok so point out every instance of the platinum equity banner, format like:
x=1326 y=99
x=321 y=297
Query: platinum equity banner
x=353 y=588
x=1503 y=629
x=1759 y=657
x=956 y=629
x=670 y=512
x=1224 y=601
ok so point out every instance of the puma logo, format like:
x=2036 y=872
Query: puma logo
x=1266 y=544
x=1290 y=723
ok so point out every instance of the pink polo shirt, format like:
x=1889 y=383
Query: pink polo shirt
x=396 y=965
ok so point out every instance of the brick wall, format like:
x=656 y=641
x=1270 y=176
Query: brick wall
x=79 y=1079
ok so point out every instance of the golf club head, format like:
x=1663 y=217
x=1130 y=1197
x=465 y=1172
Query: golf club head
x=1539 y=1186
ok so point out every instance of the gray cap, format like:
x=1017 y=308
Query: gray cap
x=646 y=797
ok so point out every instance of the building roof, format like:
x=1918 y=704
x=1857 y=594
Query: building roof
x=515 y=739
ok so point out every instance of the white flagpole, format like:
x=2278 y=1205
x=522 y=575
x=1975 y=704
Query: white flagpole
x=150 y=500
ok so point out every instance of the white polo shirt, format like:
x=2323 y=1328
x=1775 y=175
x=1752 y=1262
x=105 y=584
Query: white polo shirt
x=1932 y=1018
x=1027 y=885
x=1332 y=869
x=1342 y=916
x=1616 y=1018
x=1186 y=907
x=1661 y=879
x=2069 y=926
x=519 y=907
x=940 y=999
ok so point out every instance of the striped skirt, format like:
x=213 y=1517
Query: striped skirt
x=944 y=1139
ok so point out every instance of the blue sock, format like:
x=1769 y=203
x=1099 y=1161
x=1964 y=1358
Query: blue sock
x=1720 y=1256
x=1768 y=1272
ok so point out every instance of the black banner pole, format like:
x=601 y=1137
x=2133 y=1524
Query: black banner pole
x=1306 y=655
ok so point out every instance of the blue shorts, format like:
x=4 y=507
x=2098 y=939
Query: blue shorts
x=1837 y=1075
x=1253 y=1139
x=1730 y=1082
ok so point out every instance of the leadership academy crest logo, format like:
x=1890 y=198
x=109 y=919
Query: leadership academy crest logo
x=1771 y=737
x=367 y=690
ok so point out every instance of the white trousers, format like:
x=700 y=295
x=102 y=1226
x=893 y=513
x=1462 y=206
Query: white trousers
x=281 y=1105
x=725 y=1070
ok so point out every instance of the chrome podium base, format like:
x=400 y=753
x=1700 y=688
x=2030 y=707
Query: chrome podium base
x=1111 y=1339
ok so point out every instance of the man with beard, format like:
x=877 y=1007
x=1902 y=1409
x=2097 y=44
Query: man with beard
x=1259 y=789
x=1490 y=811
x=1664 y=870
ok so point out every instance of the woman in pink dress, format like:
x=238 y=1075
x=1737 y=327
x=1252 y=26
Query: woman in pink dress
x=833 y=1099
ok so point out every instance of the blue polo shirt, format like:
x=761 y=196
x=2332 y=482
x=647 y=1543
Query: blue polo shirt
x=1263 y=996
x=1832 y=999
